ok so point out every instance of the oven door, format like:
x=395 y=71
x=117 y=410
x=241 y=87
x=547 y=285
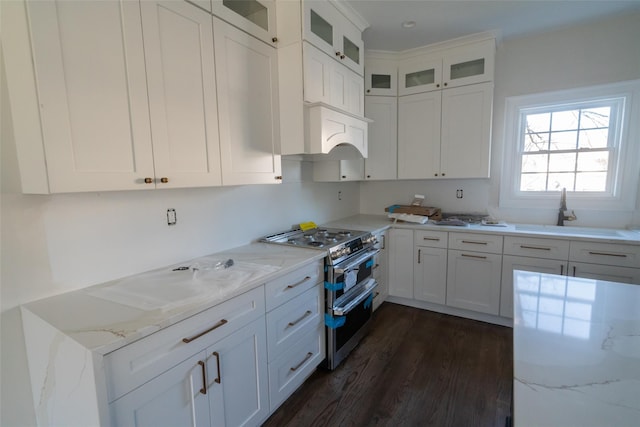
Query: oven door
x=348 y=274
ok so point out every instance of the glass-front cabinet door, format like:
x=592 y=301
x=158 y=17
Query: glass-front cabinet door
x=422 y=76
x=328 y=30
x=256 y=17
x=468 y=64
x=381 y=80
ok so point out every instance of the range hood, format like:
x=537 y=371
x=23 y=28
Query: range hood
x=327 y=128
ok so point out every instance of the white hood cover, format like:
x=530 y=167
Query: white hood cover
x=328 y=128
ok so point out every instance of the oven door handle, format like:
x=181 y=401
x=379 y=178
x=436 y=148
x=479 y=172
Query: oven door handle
x=356 y=262
x=348 y=305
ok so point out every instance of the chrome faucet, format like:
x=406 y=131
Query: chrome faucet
x=562 y=214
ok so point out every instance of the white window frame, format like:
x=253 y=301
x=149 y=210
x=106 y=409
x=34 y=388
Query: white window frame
x=624 y=166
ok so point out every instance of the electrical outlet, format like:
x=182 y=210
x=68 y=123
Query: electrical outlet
x=172 y=218
x=339 y=194
x=459 y=194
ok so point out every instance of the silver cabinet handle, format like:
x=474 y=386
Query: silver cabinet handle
x=214 y=327
x=307 y=357
x=473 y=256
x=608 y=254
x=298 y=283
x=474 y=243
x=300 y=319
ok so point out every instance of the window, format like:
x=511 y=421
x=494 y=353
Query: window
x=581 y=140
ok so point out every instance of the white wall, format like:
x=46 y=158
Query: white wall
x=54 y=244
x=590 y=54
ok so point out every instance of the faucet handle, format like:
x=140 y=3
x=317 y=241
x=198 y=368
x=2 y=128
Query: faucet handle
x=571 y=217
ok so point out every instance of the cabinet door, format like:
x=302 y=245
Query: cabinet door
x=175 y=398
x=605 y=272
x=511 y=263
x=466 y=131
x=338 y=170
x=381 y=80
x=430 y=274
x=247 y=81
x=383 y=140
x=419 y=135
x=401 y=263
x=469 y=64
x=420 y=76
x=473 y=281
x=237 y=377
x=317 y=75
x=381 y=270
x=178 y=41
x=89 y=63
x=256 y=17
x=350 y=49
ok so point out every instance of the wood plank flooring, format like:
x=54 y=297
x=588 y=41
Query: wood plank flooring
x=414 y=368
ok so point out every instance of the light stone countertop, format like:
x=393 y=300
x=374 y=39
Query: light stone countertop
x=576 y=351
x=108 y=316
x=604 y=235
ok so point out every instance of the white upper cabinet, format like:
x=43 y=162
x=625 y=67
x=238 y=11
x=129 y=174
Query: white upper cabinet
x=256 y=17
x=247 y=81
x=330 y=31
x=178 y=41
x=381 y=164
x=457 y=66
x=380 y=78
x=90 y=76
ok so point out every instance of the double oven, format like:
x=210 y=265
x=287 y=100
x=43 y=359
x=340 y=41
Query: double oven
x=349 y=283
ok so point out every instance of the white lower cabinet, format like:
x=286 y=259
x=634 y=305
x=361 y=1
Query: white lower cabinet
x=473 y=281
x=401 y=263
x=381 y=269
x=430 y=268
x=609 y=273
x=224 y=385
x=295 y=330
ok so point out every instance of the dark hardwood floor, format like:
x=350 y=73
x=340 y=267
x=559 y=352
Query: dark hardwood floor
x=415 y=368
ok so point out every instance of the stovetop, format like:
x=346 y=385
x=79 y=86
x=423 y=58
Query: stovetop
x=339 y=243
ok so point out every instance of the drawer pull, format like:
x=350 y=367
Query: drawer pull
x=562 y=269
x=300 y=319
x=606 y=254
x=307 y=357
x=195 y=337
x=203 y=390
x=376 y=295
x=474 y=243
x=534 y=247
x=298 y=283
x=375 y=266
x=419 y=251
x=474 y=256
x=435 y=239
x=217 y=355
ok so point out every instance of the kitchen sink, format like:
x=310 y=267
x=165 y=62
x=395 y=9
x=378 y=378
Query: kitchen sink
x=567 y=230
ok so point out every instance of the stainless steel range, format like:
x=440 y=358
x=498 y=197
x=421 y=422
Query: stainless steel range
x=349 y=284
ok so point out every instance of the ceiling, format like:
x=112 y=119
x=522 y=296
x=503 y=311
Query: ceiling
x=447 y=19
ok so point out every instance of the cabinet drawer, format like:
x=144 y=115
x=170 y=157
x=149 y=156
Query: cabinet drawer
x=536 y=248
x=290 y=370
x=476 y=242
x=432 y=239
x=605 y=253
x=137 y=363
x=293 y=320
x=282 y=289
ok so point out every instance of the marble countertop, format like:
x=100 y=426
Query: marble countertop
x=105 y=317
x=381 y=222
x=576 y=351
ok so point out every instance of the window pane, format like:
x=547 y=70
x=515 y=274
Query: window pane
x=591 y=181
x=351 y=50
x=558 y=181
x=321 y=28
x=562 y=162
x=467 y=69
x=564 y=140
x=380 y=81
x=538 y=122
x=251 y=10
x=594 y=161
x=595 y=138
x=536 y=142
x=565 y=120
x=534 y=162
x=595 y=118
x=533 y=182
x=419 y=78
